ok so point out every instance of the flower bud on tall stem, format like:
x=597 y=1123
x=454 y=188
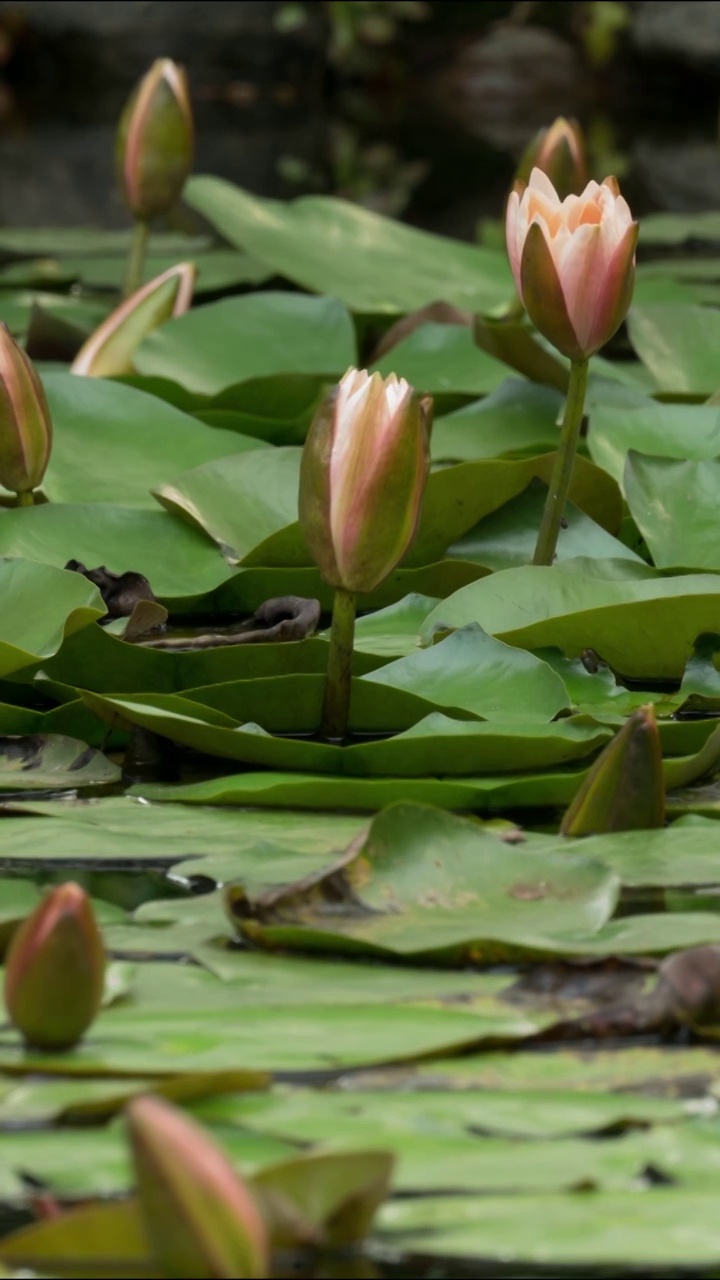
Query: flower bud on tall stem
x=574 y=266
x=155 y=154
x=362 y=480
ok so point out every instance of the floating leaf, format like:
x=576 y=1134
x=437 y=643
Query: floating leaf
x=377 y=265
x=223 y=343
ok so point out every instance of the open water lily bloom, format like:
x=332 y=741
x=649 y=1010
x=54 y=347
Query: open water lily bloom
x=573 y=261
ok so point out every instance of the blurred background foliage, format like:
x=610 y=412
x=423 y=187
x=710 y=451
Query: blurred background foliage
x=416 y=108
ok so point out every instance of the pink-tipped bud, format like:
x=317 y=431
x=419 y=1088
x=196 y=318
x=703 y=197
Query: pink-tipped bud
x=25 y=423
x=573 y=261
x=155 y=140
x=55 y=969
x=200 y=1218
x=559 y=151
x=362 y=478
x=109 y=351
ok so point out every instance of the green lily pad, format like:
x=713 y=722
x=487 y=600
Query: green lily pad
x=113 y=443
x=473 y=671
x=246 y=504
x=443 y=359
x=621 y=420
x=374 y=264
x=657 y=1228
x=177 y=561
x=218 y=345
x=216 y=268
x=518 y=419
x=678 y=344
x=506 y=538
x=434 y=744
x=457 y=497
x=642 y=625
x=676 y=505
x=428 y=884
x=41 y=605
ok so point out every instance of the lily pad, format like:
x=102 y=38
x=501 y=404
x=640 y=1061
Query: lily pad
x=678 y=343
x=221 y=344
x=676 y=505
x=178 y=561
x=51 y=762
x=642 y=625
x=374 y=264
x=427 y=884
x=472 y=670
x=41 y=605
x=112 y=443
x=518 y=419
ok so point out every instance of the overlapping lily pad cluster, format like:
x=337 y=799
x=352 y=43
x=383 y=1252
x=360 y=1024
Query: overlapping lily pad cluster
x=345 y=908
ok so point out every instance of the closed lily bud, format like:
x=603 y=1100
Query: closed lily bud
x=109 y=351
x=560 y=152
x=362 y=478
x=155 y=140
x=200 y=1218
x=25 y=423
x=54 y=970
x=625 y=788
x=573 y=261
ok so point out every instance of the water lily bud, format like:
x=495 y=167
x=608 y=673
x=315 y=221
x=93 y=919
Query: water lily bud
x=362 y=478
x=25 y=423
x=560 y=152
x=155 y=140
x=54 y=970
x=109 y=351
x=573 y=261
x=200 y=1218
x=625 y=788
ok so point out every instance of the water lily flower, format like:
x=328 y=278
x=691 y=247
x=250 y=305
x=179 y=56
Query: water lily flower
x=362 y=478
x=155 y=140
x=559 y=151
x=109 y=351
x=200 y=1218
x=54 y=970
x=25 y=422
x=573 y=261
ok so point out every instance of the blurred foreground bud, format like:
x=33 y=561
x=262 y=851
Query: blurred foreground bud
x=25 y=423
x=155 y=140
x=560 y=152
x=54 y=970
x=362 y=478
x=625 y=788
x=109 y=351
x=573 y=261
x=200 y=1218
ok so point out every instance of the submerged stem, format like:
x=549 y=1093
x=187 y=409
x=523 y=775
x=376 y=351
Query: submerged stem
x=563 y=468
x=336 y=704
x=135 y=258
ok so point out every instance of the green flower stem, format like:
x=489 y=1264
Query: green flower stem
x=25 y=499
x=336 y=704
x=563 y=468
x=136 y=258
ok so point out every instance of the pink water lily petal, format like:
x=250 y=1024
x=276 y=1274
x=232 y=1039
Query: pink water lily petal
x=581 y=236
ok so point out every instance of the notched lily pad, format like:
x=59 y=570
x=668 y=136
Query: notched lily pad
x=426 y=884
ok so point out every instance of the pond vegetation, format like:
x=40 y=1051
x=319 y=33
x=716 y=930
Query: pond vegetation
x=360 y=795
